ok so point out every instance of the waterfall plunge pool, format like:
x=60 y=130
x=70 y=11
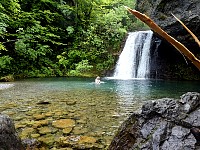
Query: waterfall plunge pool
x=97 y=110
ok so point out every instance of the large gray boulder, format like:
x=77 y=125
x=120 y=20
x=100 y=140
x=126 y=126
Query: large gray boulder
x=165 y=124
x=9 y=140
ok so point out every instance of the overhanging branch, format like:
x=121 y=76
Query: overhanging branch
x=179 y=46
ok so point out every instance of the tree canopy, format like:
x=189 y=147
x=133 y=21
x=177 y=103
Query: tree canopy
x=61 y=37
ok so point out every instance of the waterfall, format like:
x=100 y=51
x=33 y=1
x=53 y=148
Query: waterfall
x=135 y=57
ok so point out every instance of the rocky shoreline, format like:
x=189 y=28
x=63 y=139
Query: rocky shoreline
x=164 y=124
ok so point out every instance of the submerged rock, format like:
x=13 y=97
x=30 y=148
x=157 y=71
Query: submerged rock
x=30 y=144
x=80 y=142
x=63 y=123
x=162 y=124
x=43 y=103
x=45 y=130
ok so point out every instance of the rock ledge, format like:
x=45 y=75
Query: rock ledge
x=162 y=125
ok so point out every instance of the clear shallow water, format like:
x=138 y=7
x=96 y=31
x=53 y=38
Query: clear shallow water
x=97 y=109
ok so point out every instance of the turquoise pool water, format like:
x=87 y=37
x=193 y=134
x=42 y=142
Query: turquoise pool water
x=98 y=110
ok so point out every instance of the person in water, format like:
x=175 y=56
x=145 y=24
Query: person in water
x=97 y=80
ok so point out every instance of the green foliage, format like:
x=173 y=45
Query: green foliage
x=70 y=29
x=2 y=28
x=12 y=7
x=104 y=34
x=5 y=61
x=5 y=65
x=2 y=48
x=41 y=38
x=106 y=64
x=63 y=61
x=81 y=68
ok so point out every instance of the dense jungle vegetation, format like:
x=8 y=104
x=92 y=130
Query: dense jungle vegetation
x=41 y=38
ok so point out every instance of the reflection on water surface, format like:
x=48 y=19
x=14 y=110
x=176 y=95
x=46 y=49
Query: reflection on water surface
x=98 y=110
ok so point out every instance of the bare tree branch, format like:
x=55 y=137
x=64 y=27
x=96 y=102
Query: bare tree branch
x=179 y=46
x=193 y=35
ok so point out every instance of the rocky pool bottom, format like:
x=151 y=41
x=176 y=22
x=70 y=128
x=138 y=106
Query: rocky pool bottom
x=63 y=121
x=68 y=120
x=162 y=124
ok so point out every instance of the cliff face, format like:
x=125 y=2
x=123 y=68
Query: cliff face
x=167 y=62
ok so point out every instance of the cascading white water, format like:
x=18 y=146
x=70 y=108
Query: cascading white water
x=134 y=59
